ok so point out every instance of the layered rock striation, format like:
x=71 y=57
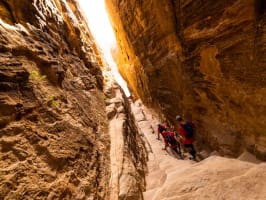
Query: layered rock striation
x=127 y=153
x=204 y=60
x=54 y=139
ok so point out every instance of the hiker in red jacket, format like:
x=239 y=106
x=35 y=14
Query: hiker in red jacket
x=161 y=128
x=171 y=140
x=186 y=130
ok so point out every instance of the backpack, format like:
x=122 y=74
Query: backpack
x=162 y=128
x=171 y=140
x=188 y=129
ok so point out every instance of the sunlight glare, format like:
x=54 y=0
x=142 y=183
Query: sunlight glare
x=102 y=31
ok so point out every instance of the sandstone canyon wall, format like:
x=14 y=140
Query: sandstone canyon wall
x=204 y=60
x=53 y=124
x=127 y=153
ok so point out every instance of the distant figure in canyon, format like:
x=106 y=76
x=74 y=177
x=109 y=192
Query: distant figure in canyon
x=186 y=130
x=161 y=128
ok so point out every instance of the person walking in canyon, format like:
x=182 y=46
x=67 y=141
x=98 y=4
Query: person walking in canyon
x=186 y=130
x=171 y=140
x=160 y=129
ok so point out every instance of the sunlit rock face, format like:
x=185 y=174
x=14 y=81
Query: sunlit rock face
x=204 y=60
x=128 y=155
x=53 y=126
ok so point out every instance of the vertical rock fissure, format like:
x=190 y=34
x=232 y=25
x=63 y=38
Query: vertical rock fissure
x=127 y=153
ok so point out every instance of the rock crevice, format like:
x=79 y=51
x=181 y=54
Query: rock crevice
x=128 y=154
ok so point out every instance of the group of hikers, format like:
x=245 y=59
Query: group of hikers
x=184 y=136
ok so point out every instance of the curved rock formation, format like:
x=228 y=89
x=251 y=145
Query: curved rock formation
x=202 y=59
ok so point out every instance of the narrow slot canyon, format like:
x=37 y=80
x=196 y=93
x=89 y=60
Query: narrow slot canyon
x=80 y=104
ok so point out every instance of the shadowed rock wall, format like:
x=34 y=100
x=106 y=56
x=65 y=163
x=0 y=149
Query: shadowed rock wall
x=204 y=60
x=53 y=126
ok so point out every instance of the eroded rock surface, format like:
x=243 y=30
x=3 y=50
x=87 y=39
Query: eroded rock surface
x=53 y=126
x=204 y=60
x=127 y=153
